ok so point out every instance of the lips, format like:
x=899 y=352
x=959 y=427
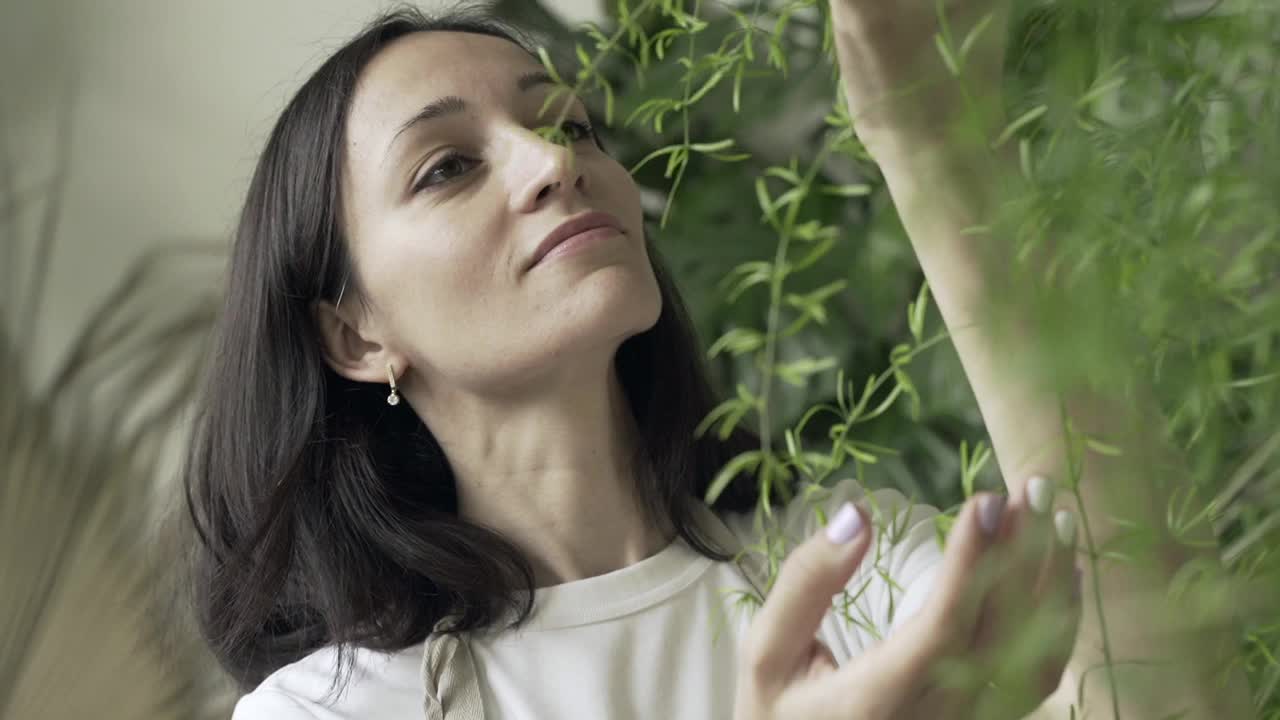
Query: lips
x=573 y=226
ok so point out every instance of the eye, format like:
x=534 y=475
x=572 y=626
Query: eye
x=570 y=131
x=578 y=130
x=453 y=163
x=442 y=172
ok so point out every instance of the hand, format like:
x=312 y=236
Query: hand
x=991 y=588
x=899 y=89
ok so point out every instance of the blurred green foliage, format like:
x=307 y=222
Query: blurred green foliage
x=1148 y=142
x=1147 y=134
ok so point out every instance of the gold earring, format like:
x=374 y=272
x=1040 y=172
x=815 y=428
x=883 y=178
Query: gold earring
x=393 y=398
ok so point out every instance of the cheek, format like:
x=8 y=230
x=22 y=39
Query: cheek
x=623 y=193
x=437 y=281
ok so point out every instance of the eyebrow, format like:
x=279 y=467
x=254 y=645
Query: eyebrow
x=452 y=104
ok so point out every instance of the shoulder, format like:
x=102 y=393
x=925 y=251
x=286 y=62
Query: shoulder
x=264 y=703
x=379 y=685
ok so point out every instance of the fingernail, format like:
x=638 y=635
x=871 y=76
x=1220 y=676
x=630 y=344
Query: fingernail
x=1040 y=494
x=845 y=525
x=989 y=509
x=1064 y=521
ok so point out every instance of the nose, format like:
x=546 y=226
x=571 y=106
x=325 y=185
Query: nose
x=540 y=169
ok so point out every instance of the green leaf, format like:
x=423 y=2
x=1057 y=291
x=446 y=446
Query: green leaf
x=706 y=87
x=649 y=109
x=1102 y=448
x=709 y=147
x=737 y=88
x=1253 y=381
x=824 y=293
x=1027 y=118
x=798 y=372
x=850 y=190
x=905 y=383
x=555 y=93
x=864 y=398
x=884 y=404
x=766 y=203
x=676 y=161
x=971 y=465
x=663 y=39
x=900 y=354
x=1101 y=89
x=842 y=393
x=716 y=414
x=814 y=230
x=850 y=448
x=746 y=462
x=653 y=156
x=730 y=157
x=746 y=276
x=737 y=341
x=608 y=103
x=794 y=195
x=916 y=311
x=550 y=66
x=948 y=59
x=814 y=255
x=972 y=38
x=782 y=173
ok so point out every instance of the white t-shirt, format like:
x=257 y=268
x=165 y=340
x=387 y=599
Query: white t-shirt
x=656 y=639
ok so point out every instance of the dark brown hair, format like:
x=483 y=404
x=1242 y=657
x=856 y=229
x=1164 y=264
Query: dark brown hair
x=325 y=516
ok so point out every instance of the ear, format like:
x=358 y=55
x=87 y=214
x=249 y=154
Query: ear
x=347 y=351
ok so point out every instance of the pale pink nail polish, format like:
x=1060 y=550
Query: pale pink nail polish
x=845 y=525
x=989 y=509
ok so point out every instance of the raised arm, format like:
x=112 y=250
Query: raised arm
x=943 y=185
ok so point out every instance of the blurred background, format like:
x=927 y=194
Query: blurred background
x=129 y=130
x=159 y=110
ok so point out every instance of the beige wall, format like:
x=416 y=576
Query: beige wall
x=171 y=102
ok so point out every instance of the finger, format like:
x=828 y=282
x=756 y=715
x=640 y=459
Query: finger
x=820 y=661
x=1031 y=664
x=962 y=582
x=1029 y=623
x=781 y=634
x=1041 y=497
x=896 y=668
x=1019 y=563
x=1060 y=602
x=1058 y=573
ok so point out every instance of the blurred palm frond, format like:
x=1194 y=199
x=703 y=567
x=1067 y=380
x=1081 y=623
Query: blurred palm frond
x=92 y=626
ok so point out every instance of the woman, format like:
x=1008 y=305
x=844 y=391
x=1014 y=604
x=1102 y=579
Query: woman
x=444 y=461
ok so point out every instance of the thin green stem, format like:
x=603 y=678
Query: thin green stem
x=775 y=291
x=1074 y=471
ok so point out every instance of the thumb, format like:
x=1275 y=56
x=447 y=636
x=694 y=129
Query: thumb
x=782 y=633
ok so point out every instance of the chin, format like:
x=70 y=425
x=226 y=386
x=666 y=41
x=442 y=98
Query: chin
x=583 y=330
x=609 y=306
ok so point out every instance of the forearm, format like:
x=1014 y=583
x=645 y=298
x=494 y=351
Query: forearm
x=938 y=196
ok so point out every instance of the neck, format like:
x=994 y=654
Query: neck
x=554 y=472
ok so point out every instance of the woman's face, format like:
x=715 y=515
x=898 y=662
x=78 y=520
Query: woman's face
x=445 y=214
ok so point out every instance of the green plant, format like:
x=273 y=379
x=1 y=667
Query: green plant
x=1148 y=140
x=1147 y=136
x=81 y=553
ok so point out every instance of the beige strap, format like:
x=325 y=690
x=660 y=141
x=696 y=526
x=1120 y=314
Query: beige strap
x=449 y=668
x=450 y=679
